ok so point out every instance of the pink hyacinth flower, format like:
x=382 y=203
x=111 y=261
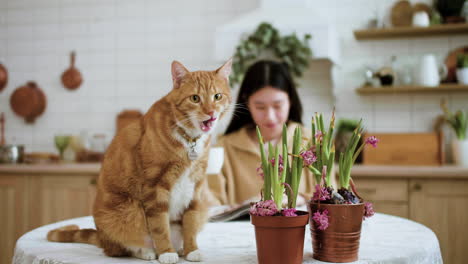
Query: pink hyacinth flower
x=260 y=172
x=321 y=219
x=308 y=157
x=319 y=135
x=264 y=208
x=289 y=212
x=321 y=193
x=280 y=163
x=368 y=210
x=372 y=140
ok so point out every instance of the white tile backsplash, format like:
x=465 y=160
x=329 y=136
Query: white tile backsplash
x=125 y=48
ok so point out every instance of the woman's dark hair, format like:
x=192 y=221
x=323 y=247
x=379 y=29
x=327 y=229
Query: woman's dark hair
x=264 y=73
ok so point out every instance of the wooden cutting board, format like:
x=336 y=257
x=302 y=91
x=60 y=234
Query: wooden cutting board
x=405 y=149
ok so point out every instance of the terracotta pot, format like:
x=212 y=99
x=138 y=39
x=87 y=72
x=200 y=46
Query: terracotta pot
x=280 y=239
x=71 y=78
x=3 y=77
x=28 y=101
x=340 y=241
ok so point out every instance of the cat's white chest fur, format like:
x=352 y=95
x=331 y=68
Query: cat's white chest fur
x=181 y=196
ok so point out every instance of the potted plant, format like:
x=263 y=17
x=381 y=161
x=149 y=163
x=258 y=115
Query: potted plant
x=462 y=68
x=336 y=216
x=450 y=10
x=267 y=41
x=279 y=229
x=458 y=122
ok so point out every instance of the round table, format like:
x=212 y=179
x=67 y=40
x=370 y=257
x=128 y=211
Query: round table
x=384 y=239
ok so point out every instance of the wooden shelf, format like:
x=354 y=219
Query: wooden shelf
x=411 y=32
x=443 y=88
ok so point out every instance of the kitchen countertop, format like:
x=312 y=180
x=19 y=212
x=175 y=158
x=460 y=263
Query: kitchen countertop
x=358 y=171
x=386 y=171
x=54 y=168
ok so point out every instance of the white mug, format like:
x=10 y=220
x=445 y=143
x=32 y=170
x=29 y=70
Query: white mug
x=215 y=160
x=421 y=19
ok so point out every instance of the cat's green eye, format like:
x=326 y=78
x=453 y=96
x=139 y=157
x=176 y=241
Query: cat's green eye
x=218 y=96
x=195 y=98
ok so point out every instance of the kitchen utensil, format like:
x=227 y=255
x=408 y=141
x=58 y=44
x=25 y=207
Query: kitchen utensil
x=28 y=101
x=12 y=154
x=40 y=157
x=402 y=14
x=2 y=131
x=430 y=73
x=61 y=142
x=98 y=143
x=451 y=63
x=406 y=149
x=421 y=19
x=72 y=78
x=3 y=77
x=215 y=160
x=386 y=76
x=126 y=117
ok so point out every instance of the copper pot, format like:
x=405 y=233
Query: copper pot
x=340 y=241
x=28 y=101
x=72 y=78
x=3 y=77
x=280 y=239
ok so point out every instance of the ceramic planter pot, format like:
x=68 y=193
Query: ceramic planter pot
x=460 y=152
x=340 y=241
x=462 y=75
x=280 y=239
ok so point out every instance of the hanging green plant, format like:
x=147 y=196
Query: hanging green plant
x=267 y=39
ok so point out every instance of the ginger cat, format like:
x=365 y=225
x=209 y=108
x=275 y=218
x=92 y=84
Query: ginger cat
x=149 y=192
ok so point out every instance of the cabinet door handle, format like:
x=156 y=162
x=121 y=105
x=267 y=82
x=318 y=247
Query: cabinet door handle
x=417 y=187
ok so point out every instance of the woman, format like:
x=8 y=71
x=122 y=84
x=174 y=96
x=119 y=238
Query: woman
x=267 y=99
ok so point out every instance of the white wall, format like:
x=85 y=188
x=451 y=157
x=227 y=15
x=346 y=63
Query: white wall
x=124 y=50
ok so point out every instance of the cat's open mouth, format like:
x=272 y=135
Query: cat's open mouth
x=207 y=124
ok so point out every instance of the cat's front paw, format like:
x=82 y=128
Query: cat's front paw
x=194 y=256
x=145 y=253
x=180 y=252
x=168 y=258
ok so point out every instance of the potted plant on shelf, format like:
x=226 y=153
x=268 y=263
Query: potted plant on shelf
x=336 y=216
x=462 y=68
x=279 y=229
x=458 y=122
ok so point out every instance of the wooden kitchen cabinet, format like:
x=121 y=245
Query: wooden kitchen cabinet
x=13 y=220
x=60 y=197
x=442 y=205
x=436 y=197
x=389 y=196
x=36 y=195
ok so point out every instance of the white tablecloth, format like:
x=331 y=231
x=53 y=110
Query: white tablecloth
x=384 y=239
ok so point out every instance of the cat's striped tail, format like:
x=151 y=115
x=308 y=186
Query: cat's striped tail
x=72 y=233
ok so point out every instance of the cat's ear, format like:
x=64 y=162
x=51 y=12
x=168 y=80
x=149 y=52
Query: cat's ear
x=178 y=72
x=225 y=70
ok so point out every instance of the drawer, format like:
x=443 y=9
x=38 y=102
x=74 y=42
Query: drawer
x=382 y=189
